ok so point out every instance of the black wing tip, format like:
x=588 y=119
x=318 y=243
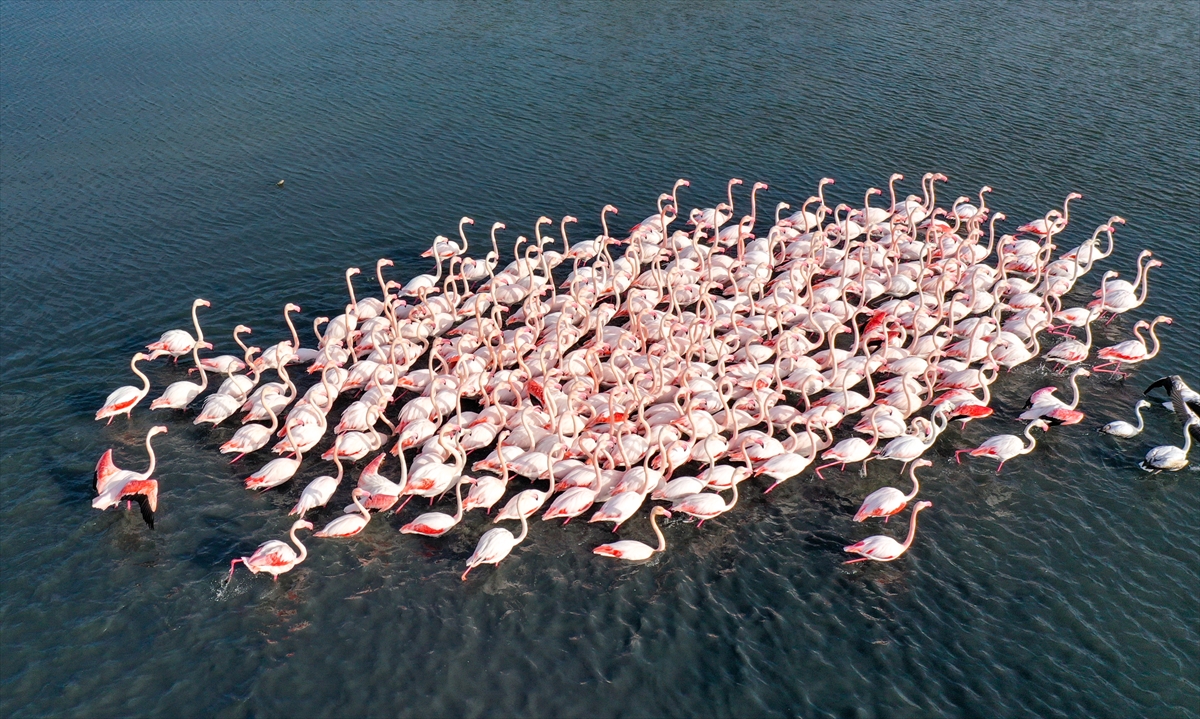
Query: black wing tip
x=1162 y=383
x=144 y=505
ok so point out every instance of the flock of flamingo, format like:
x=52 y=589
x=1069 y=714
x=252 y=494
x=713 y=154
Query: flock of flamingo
x=694 y=360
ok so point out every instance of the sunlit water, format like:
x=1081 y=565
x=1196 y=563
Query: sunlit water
x=140 y=149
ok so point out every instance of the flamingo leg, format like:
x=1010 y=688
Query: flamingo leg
x=700 y=524
x=565 y=523
x=232 y=566
x=958 y=454
x=1000 y=467
x=855 y=561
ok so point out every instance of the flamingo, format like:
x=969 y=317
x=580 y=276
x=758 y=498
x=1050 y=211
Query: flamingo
x=435 y=524
x=1185 y=401
x=178 y=395
x=1004 y=446
x=278 y=470
x=886 y=501
x=707 y=505
x=179 y=342
x=275 y=557
x=884 y=549
x=1120 y=428
x=850 y=450
x=1169 y=457
x=252 y=437
x=319 y=491
x=347 y=525
x=1131 y=351
x=122 y=400
x=497 y=543
x=114 y=484
x=634 y=551
x=381 y=492
x=1043 y=403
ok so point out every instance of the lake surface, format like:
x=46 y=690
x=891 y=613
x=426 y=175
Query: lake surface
x=140 y=145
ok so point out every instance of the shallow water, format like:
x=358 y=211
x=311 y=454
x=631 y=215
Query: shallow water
x=141 y=145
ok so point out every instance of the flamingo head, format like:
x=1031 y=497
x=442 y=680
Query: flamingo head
x=350 y=272
x=157 y=429
x=923 y=504
x=201 y=303
x=291 y=307
x=384 y=262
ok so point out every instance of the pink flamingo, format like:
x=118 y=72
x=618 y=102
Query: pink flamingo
x=884 y=549
x=634 y=551
x=1131 y=351
x=275 y=557
x=1004 y=446
x=497 y=543
x=114 y=484
x=122 y=400
x=886 y=501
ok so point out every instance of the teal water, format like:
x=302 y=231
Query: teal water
x=140 y=145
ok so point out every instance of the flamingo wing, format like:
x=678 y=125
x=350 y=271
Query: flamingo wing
x=105 y=469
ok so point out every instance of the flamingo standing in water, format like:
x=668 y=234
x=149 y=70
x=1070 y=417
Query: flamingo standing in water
x=435 y=524
x=319 y=491
x=884 y=549
x=886 y=501
x=634 y=551
x=348 y=525
x=1123 y=429
x=498 y=543
x=1004 y=446
x=275 y=557
x=1130 y=351
x=178 y=395
x=114 y=484
x=179 y=342
x=1170 y=457
x=122 y=400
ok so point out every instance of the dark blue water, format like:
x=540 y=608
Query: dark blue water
x=140 y=145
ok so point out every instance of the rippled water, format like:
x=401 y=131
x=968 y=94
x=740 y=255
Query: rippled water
x=140 y=148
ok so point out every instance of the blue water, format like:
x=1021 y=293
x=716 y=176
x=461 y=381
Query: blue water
x=140 y=145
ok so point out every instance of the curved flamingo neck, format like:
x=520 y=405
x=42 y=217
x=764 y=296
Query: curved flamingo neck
x=1154 y=337
x=200 y=367
x=524 y=526
x=1075 y=389
x=153 y=460
x=912 y=528
x=912 y=474
x=350 y=289
x=295 y=337
x=662 y=541
x=1145 y=285
x=1030 y=437
x=196 y=323
x=145 y=380
x=303 y=550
